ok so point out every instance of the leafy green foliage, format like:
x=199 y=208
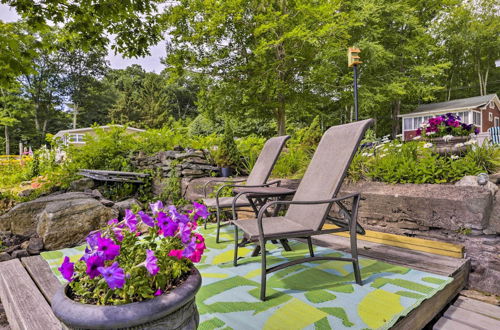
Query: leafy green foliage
x=226 y=154
x=411 y=162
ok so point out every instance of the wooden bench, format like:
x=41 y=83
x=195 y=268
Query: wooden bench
x=114 y=176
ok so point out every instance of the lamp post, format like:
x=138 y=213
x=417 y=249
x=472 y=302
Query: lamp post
x=353 y=61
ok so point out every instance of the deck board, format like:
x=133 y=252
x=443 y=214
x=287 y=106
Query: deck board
x=25 y=306
x=41 y=274
x=471 y=318
x=477 y=306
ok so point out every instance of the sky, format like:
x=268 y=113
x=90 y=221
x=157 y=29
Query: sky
x=149 y=63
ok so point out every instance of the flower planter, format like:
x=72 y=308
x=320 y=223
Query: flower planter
x=226 y=172
x=449 y=147
x=174 y=310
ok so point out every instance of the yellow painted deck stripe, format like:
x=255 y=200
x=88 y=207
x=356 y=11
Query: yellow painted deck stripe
x=412 y=243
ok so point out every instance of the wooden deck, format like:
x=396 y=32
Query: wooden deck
x=27 y=303
x=467 y=313
x=432 y=263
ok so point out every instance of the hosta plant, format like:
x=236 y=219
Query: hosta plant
x=141 y=257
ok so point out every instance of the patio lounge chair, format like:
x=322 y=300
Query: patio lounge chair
x=315 y=195
x=256 y=179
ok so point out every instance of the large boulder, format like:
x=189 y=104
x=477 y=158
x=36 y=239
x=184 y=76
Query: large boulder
x=64 y=223
x=22 y=219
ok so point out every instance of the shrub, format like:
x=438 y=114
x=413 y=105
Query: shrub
x=226 y=154
x=412 y=162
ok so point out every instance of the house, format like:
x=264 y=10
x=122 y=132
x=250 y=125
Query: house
x=75 y=136
x=482 y=111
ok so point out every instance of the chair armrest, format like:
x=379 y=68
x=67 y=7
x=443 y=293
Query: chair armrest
x=355 y=196
x=218 y=180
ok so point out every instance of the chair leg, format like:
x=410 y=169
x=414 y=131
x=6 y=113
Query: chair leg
x=263 y=271
x=309 y=242
x=357 y=272
x=217 y=214
x=235 y=260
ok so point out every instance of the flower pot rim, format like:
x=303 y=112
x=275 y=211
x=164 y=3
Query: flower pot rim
x=88 y=316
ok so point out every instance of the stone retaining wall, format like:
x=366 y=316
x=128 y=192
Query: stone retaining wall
x=467 y=215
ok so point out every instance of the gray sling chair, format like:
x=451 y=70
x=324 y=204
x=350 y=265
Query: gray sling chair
x=308 y=209
x=256 y=179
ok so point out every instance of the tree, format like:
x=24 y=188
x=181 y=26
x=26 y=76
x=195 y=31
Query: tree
x=147 y=99
x=257 y=57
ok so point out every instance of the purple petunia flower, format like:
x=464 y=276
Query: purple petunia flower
x=109 y=249
x=200 y=210
x=93 y=263
x=146 y=219
x=184 y=233
x=112 y=222
x=152 y=263
x=167 y=225
x=131 y=220
x=92 y=239
x=158 y=292
x=114 y=275
x=156 y=207
x=176 y=216
x=67 y=269
x=189 y=248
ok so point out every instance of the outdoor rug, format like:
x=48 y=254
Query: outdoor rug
x=318 y=295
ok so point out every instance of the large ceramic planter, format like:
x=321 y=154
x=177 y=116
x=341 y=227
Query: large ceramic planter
x=174 y=310
x=449 y=147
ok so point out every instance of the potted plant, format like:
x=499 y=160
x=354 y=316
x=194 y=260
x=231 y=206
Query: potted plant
x=447 y=133
x=137 y=273
x=226 y=156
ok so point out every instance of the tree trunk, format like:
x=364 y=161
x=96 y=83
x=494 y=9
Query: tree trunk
x=395 y=120
x=485 y=81
x=281 y=117
x=7 y=140
x=480 y=79
x=75 y=115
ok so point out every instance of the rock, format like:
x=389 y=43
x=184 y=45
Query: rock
x=35 y=245
x=24 y=245
x=442 y=206
x=97 y=194
x=4 y=256
x=65 y=223
x=126 y=204
x=471 y=180
x=190 y=172
x=26 y=192
x=20 y=254
x=81 y=184
x=12 y=248
x=107 y=202
x=22 y=219
x=494 y=223
x=495 y=178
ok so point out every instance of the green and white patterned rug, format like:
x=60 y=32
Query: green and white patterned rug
x=319 y=295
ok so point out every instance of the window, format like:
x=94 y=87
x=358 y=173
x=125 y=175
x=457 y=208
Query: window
x=476 y=119
x=416 y=122
x=497 y=122
x=490 y=116
x=408 y=124
x=76 y=138
x=464 y=117
x=426 y=118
